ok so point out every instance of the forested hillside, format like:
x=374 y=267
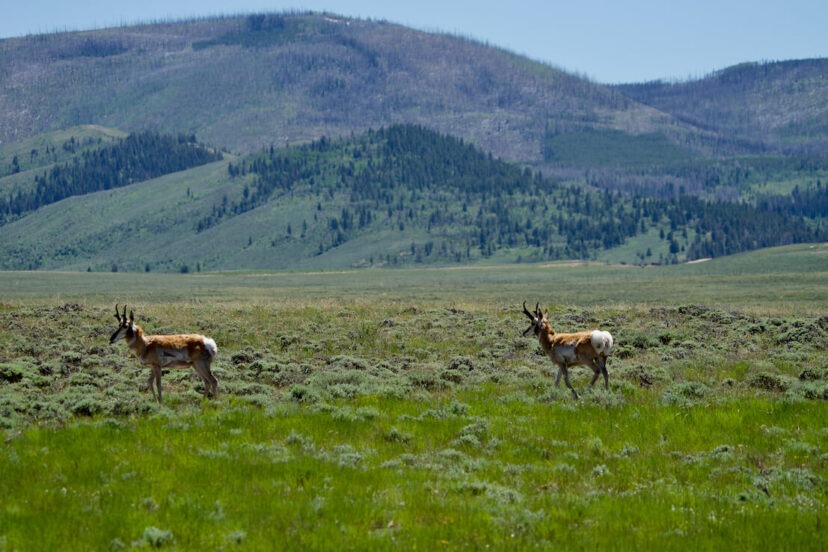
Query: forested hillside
x=394 y=196
x=407 y=175
x=136 y=158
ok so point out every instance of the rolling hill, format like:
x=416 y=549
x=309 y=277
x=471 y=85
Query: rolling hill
x=395 y=196
x=778 y=106
x=245 y=82
x=340 y=142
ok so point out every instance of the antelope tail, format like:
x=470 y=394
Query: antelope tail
x=210 y=347
x=602 y=342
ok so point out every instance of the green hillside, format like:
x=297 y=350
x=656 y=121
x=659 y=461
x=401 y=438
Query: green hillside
x=21 y=161
x=401 y=195
x=249 y=81
x=95 y=166
x=613 y=148
x=52 y=147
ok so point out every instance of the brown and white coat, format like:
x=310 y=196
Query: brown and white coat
x=588 y=348
x=168 y=351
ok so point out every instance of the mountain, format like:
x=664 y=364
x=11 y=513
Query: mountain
x=241 y=83
x=775 y=106
x=244 y=82
x=303 y=140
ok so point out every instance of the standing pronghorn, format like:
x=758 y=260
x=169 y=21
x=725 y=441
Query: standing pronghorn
x=163 y=351
x=589 y=348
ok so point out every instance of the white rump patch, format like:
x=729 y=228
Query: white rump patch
x=602 y=342
x=210 y=345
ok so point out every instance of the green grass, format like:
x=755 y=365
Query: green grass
x=789 y=278
x=381 y=409
x=478 y=470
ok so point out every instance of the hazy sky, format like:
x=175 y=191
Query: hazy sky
x=605 y=40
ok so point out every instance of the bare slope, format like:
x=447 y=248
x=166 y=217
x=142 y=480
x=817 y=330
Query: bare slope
x=781 y=106
x=247 y=82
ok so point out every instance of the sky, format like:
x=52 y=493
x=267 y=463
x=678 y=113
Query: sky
x=607 y=41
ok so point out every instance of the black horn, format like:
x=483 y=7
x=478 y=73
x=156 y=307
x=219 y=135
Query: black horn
x=526 y=312
x=117 y=314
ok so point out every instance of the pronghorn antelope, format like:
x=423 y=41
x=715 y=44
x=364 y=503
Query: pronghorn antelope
x=168 y=351
x=589 y=348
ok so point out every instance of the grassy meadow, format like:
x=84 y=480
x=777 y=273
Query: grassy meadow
x=378 y=409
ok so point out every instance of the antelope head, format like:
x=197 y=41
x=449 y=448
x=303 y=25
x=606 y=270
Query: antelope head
x=126 y=327
x=538 y=320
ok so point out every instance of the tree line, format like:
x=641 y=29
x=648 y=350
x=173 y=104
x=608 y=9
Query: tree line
x=135 y=158
x=407 y=177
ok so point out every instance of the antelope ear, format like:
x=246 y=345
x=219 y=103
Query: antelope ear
x=131 y=316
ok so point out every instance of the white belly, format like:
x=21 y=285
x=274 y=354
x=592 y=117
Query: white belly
x=173 y=357
x=565 y=354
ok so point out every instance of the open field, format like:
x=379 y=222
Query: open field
x=778 y=279
x=379 y=409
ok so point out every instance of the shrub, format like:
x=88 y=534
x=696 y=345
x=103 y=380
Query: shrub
x=643 y=341
x=814 y=390
x=768 y=382
x=802 y=332
x=644 y=376
x=428 y=381
x=812 y=374
x=348 y=363
x=11 y=373
x=258 y=400
x=454 y=376
x=600 y=470
x=246 y=356
x=245 y=389
x=304 y=394
x=395 y=435
x=461 y=363
x=684 y=393
x=154 y=537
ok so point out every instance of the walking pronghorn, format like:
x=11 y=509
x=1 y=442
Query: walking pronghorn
x=589 y=348
x=168 y=351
